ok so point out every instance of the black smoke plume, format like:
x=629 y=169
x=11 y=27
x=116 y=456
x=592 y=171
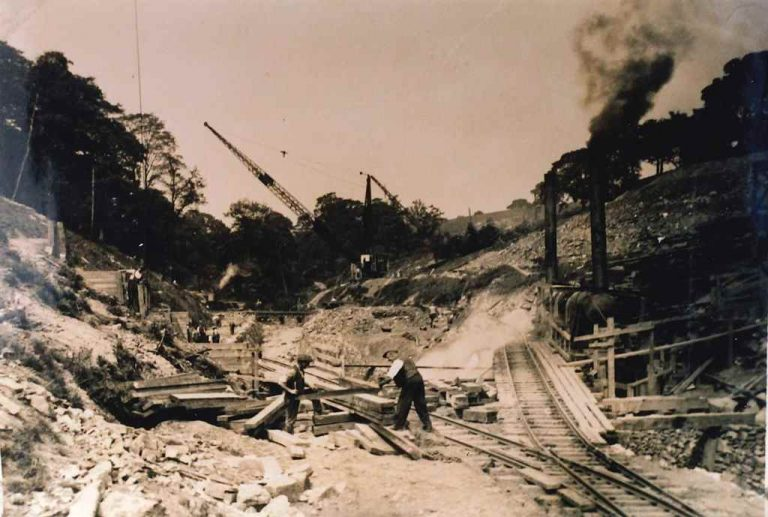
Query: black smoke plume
x=626 y=58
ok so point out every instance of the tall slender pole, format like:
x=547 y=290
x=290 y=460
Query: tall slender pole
x=93 y=199
x=550 y=226
x=26 y=151
x=597 y=225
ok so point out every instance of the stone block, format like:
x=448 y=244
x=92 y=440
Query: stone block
x=483 y=415
x=125 y=503
x=459 y=401
x=288 y=486
x=253 y=494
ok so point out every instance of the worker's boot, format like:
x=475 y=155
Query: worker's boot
x=427 y=428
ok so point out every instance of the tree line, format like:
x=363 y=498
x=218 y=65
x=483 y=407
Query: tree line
x=732 y=121
x=119 y=178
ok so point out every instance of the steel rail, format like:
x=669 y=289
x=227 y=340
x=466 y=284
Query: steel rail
x=660 y=496
x=600 y=500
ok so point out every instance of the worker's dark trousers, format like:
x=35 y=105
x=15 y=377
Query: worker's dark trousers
x=413 y=391
x=292 y=411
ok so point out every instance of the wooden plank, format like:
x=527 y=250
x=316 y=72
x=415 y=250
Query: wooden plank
x=673 y=346
x=398 y=441
x=319 y=430
x=545 y=481
x=241 y=409
x=578 y=403
x=187 y=397
x=188 y=388
x=372 y=442
x=342 y=393
x=285 y=439
x=655 y=404
x=171 y=380
x=574 y=498
x=683 y=385
x=693 y=420
x=332 y=418
x=266 y=415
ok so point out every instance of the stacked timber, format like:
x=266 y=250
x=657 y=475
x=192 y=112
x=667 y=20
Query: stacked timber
x=238 y=358
x=579 y=400
x=164 y=397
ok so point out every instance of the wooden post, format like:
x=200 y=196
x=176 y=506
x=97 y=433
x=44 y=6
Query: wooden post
x=598 y=367
x=343 y=361
x=729 y=348
x=254 y=373
x=611 y=353
x=651 y=368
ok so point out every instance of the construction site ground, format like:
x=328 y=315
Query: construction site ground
x=57 y=442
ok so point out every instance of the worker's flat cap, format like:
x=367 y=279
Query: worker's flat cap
x=304 y=358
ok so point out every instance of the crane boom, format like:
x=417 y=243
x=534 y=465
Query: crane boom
x=392 y=198
x=287 y=198
x=263 y=176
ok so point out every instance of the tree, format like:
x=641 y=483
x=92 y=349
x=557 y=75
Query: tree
x=160 y=149
x=14 y=119
x=77 y=137
x=183 y=187
x=660 y=141
x=426 y=219
x=262 y=243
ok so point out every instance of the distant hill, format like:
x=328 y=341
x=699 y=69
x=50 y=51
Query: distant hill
x=518 y=212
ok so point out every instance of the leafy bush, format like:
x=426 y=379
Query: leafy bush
x=25 y=273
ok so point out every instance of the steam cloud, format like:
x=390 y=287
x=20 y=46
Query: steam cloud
x=231 y=272
x=627 y=57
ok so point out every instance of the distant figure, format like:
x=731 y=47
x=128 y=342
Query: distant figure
x=232 y=328
x=215 y=337
x=407 y=377
x=294 y=385
x=190 y=332
x=432 y=315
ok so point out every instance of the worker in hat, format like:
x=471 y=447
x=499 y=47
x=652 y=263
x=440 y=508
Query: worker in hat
x=294 y=385
x=407 y=377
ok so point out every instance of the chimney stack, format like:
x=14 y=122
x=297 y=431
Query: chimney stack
x=597 y=225
x=550 y=226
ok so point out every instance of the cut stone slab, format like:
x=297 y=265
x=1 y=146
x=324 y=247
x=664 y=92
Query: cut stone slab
x=270 y=467
x=471 y=387
x=277 y=507
x=483 y=415
x=39 y=403
x=10 y=406
x=253 y=494
x=86 y=504
x=459 y=401
x=175 y=452
x=314 y=495
x=124 y=503
x=288 y=486
x=216 y=490
x=296 y=452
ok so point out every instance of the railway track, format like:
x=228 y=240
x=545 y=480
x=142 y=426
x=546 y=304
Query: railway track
x=539 y=434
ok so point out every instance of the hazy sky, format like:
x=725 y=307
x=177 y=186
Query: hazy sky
x=459 y=103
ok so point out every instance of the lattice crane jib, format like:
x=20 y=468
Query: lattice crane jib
x=263 y=176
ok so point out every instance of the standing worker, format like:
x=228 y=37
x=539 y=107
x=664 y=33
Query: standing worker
x=408 y=379
x=294 y=385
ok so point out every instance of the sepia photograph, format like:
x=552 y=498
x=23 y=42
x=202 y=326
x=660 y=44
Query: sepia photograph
x=383 y=258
